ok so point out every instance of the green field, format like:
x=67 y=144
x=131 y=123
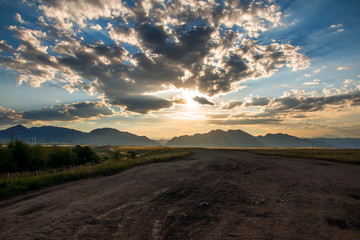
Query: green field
x=330 y=154
x=110 y=163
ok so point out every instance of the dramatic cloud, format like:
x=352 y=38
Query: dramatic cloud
x=149 y=46
x=8 y=116
x=4 y=47
x=296 y=102
x=69 y=112
x=293 y=105
x=257 y=101
x=232 y=104
x=144 y=104
x=203 y=101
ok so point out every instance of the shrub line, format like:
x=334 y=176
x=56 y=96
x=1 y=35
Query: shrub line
x=15 y=183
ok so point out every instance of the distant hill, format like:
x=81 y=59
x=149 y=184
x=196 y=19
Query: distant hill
x=340 y=142
x=217 y=138
x=59 y=135
x=285 y=140
x=238 y=138
x=111 y=136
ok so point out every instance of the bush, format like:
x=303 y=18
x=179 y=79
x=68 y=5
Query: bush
x=131 y=154
x=21 y=154
x=117 y=154
x=61 y=158
x=6 y=161
x=39 y=158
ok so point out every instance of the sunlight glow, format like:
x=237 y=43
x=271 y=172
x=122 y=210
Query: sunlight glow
x=188 y=96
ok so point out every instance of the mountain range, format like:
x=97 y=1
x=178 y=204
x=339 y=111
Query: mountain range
x=215 y=138
x=238 y=138
x=60 y=135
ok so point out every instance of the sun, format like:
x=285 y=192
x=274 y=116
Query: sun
x=189 y=97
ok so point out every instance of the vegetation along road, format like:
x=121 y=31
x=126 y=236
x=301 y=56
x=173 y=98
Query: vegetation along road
x=213 y=194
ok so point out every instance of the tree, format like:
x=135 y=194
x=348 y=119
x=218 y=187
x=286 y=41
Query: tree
x=85 y=154
x=21 y=154
x=39 y=158
x=62 y=158
x=132 y=154
x=117 y=154
x=6 y=162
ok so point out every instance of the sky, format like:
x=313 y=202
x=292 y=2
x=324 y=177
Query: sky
x=179 y=67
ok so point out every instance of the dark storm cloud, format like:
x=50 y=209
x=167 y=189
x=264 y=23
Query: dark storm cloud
x=152 y=72
x=203 y=101
x=194 y=45
x=68 y=112
x=152 y=36
x=89 y=109
x=143 y=104
x=236 y=66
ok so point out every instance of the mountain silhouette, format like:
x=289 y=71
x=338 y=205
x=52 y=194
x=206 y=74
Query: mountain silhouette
x=215 y=138
x=111 y=136
x=340 y=142
x=60 y=135
x=285 y=140
x=238 y=138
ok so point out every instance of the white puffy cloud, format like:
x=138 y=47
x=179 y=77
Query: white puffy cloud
x=314 y=82
x=319 y=69
x=67 y=14
x=19 y=18
x=96 y=27
x=336 y=26
x=342 y=68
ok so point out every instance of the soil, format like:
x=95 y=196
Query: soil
x=214 y=194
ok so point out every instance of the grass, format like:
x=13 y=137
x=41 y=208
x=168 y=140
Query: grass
x=330 y=154
x=15 y=183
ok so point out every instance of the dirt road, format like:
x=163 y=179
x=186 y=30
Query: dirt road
x=214 y=194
